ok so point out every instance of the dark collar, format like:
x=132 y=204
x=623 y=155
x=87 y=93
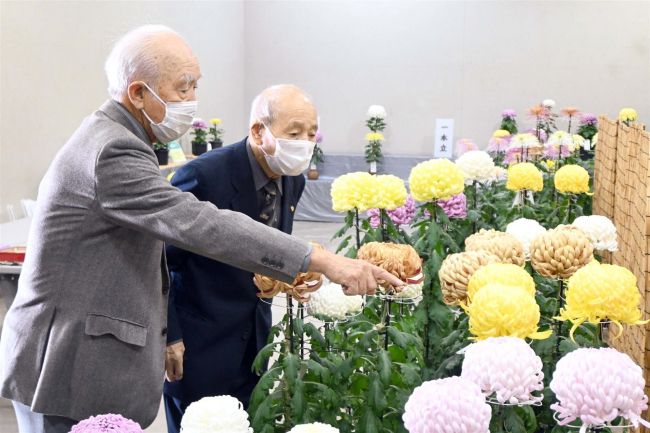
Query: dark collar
x=121 y=115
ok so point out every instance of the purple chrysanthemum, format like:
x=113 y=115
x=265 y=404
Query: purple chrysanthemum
x=319 y=137
x=508 y=113
x=588 y=119
x=499 y=144
x=199 y=124
x=455 y=207
x=109 y=423
x=401 y=216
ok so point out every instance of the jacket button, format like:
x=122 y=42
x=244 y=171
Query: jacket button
x=164 y=331
x=165 y=290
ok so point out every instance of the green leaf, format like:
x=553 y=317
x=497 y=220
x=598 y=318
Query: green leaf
x=514 y=423
x=259 y=364
x=384 y=366
x=290 y=366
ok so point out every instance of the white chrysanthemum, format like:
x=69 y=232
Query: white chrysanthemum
x=376 y=111
x=548 y=103
x=409 y=291
x=561 y=139
x=506 y=368
x=578 y=141
x=330 y=301
x=600 y=230
x=524 y=140
x=525 y=230
x=451 y=405
x=221 y=414
x=476 y=165
x=315 y=427
x=597 y=386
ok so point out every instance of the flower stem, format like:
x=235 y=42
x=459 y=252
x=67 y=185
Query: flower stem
x=560 y=304
x=290 y=328
x=356 y=227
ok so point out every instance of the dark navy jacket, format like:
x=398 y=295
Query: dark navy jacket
x=213 y=306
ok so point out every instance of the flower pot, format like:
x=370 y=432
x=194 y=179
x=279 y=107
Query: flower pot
x=216 y=143
x=199 y=148
x=373 y=167
x=312 y=174
x=163 y=156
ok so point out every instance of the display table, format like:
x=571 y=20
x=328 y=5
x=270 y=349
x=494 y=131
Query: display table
x=316 y=202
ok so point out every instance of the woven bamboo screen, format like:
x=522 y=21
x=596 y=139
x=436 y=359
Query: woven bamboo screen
x=622 y=193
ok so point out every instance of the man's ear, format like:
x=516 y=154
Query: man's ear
x=135 y=92
x=257 y=130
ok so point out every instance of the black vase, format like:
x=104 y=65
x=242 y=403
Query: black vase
x=163 y=156
x=199 y=148
x=217 y=143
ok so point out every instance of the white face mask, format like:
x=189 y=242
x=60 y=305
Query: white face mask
x=177 y=121
x=291 y=157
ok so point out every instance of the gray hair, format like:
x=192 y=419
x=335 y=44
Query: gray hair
x=262 y=109
x=132 y=58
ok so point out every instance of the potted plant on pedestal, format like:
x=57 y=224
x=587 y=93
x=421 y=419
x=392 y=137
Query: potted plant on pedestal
x=200 y=131
x=316 y=158
x=162 y=152
x=376 y=122
x=216 y=133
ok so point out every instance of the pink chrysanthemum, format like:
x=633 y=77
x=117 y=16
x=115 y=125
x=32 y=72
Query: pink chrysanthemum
x=109 y=423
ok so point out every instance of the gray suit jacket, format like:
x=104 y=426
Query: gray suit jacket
x=86 y=333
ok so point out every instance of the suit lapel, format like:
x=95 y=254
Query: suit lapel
x=245 y=198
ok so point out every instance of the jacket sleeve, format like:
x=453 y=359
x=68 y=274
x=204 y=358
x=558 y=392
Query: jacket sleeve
x=131 y=192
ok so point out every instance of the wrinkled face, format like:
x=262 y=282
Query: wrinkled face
x=179 y=72
x=295 y=119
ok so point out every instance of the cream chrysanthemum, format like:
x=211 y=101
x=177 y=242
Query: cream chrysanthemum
x=525 y=230
x=600 y=230
x=330 y=301
x=476 y=165
x=221 y=414
x=315 y=427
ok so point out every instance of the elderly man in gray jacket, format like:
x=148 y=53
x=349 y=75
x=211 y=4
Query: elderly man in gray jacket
x=86 y=333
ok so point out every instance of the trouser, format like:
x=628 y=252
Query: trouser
x=241 y=388
x=32 y=422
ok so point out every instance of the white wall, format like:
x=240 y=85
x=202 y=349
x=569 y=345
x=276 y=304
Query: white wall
x=422 y=60
x=464 y=60
x=52 y=73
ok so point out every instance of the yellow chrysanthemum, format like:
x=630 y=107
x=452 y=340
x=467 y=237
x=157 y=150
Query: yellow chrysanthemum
x=354 y=190
x=374 y=136
x=216 y=121
x=549 y=164
x=392 y=192
x=572 y=179
x=498 y=310
x=602 y=292
x=524 y=176
x=436 y=179
x=500 y=133
x=502 y=273
x=627 y=115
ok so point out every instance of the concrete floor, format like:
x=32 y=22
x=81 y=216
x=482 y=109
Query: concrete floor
x=318 y=232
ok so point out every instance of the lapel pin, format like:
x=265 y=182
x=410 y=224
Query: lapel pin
x=293 y=209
